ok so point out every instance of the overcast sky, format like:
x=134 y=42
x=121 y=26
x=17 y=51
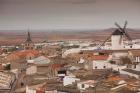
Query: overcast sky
x=68 y=14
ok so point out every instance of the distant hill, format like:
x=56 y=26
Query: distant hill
x=18 y=37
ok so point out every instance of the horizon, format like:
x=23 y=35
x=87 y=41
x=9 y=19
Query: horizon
x=67 y=30
x=65 y=14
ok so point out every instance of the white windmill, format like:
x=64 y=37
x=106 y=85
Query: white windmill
x=117 y=38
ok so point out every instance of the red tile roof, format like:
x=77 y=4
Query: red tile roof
x=100 y=57
x=24 y=53
x=135 y=52
x=55 y=66
x=40 y=91
x=114 y=78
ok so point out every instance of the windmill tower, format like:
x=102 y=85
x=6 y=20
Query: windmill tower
x=125 y=34
x=117 y=38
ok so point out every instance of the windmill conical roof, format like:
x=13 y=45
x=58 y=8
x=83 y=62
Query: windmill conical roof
x=117 y=32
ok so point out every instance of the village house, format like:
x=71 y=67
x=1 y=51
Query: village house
x=96 y=59
x=101 y=62
x=23 y=54
x=41 y=60
x=31 y=70
x=117 y=55
x=6 y=81
x=83 y=85
x=135 y=57
x=38 y=65
x=18 y=59
x=68 y=80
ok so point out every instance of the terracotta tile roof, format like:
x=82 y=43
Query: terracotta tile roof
x=90 y=56
x=40 y=91
x=135 y=52
x=88 y=82
x=24 y=53
x=100 y=57
x=115 y=78
x=55 y=66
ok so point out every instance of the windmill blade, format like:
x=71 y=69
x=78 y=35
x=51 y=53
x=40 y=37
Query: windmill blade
x=125 y=24
x=106 y=40
x=127 y=35
x=121 y=29
x=99 y=47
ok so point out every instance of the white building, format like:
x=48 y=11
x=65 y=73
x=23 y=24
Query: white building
x=86 y=84
x=135 y=57
x=117 y=55
x=31 y=70
x=68 y=80
x=41 y=60
x=100 y=62
x=6 y=81
x=30 y=90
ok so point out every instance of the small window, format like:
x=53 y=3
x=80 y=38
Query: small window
x=104 y=67
x=83 y=85
x=95 y=67
x=135 y=66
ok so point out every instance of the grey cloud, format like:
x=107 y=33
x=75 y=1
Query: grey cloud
x=67 y=14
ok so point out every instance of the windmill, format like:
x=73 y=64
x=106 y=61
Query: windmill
x=124 y=31
x=117 y=37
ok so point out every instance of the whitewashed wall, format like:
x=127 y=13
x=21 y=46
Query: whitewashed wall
x=69 y=80
x=31 y=70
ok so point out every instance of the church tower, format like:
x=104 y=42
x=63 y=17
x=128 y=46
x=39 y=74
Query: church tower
x=28 y=44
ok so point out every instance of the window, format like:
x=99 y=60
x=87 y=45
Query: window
x=83 y=85
x=104 y=67
x=95 y=67
x=30 y=58
x=135 y=66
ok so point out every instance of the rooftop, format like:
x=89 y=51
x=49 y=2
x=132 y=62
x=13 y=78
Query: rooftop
x=5 y=80
x=24 y=53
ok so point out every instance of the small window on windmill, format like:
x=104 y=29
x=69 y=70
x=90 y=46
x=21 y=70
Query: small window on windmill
x=104 y=67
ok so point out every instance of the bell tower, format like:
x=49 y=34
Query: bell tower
x=28 y=44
